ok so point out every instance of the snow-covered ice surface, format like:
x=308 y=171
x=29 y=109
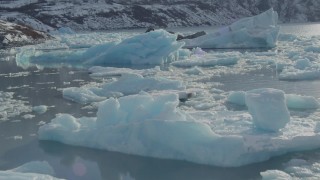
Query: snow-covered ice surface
x=199 y=100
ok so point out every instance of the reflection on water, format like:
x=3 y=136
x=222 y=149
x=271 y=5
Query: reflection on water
x=84 y=163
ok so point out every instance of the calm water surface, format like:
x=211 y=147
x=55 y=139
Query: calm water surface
x=83 y=163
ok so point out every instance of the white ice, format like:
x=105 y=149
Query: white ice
x=153 y=48
x=260 y=31
x=126 y=84
x=267 y=108
x=39 y=170
x=293 y=101
x=154 y=125
x=275 y=175
x=40 y=109
x=98 y=71
x=295 y=169
x=209 y=59
x=11 y=107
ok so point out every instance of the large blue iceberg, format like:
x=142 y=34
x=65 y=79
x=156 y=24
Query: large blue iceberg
x=153 y=48
x=260 y=31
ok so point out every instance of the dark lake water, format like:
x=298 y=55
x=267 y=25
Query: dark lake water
x=19 y=143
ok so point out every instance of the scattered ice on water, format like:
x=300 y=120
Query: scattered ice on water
x=11 y=107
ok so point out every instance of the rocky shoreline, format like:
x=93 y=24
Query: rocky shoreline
x=13 y=35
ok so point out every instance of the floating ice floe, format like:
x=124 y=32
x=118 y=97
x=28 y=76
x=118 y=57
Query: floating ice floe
x=260 y=31
x=126 y=84
x=40 y=109
x=10 y=107
x=153 y=48
x=267 y=108
x=292 y=73
x=98 y=71
x=294 y=169
x=32 y=170
x=154 y=125
x=275 y=175
x=210 y=59
x=293 y=101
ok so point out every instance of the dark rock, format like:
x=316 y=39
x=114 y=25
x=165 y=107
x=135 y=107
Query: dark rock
x=17 y=35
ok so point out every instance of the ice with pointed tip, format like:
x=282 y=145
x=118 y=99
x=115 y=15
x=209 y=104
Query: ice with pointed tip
x=260 y=31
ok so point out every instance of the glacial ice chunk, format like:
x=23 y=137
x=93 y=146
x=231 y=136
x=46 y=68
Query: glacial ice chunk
x=293 y=101
x=268 y=108
x=155 y=126
x=295 y=169
x=153 y=48
x=134 y=83
x=289 y=74
x=237 y=97
x=210 y=59
x=126 y=84
x=260 y=31
x=99 y=72
x=81 y=95
x=40 y=109
x=275 y=175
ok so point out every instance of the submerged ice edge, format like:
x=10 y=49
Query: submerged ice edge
x=40 y=170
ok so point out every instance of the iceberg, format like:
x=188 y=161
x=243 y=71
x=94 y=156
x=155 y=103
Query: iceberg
x=260 y=31
x=153 y=48
x=155 y=126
